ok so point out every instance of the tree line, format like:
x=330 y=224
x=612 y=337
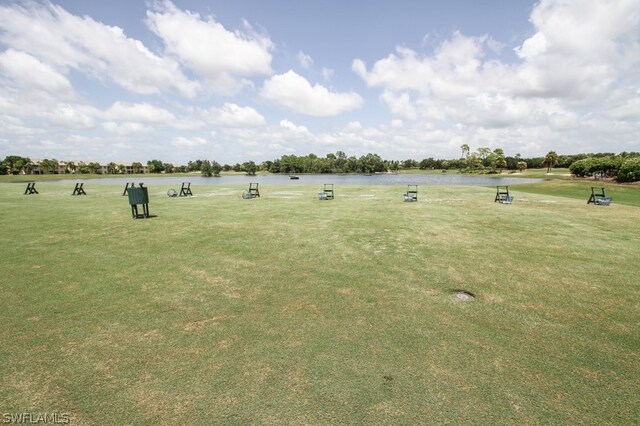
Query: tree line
x=481 y=160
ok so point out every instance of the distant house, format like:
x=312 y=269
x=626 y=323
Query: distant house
x=36 y=167
x=128 y=167
x=62 y=167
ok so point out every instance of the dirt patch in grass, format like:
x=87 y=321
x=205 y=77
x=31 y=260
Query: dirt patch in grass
x=200 y=324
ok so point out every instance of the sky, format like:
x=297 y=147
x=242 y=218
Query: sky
x=181 y=80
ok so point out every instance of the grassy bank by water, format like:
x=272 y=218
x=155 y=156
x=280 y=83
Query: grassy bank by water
x=286 y=309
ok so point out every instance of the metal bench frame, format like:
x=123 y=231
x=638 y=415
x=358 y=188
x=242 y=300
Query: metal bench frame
x=31 y=189
x=599 y=199
x=503 y=196
x=411 y=194
x=185 y=191
x=78 y=190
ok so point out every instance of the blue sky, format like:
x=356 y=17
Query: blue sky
x=254 y=80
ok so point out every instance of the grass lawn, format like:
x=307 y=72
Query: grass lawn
x=290 y=310
x=581 y=190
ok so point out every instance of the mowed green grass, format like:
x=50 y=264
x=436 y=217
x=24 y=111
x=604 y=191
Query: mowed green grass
x=290 y=310
x=581 y=190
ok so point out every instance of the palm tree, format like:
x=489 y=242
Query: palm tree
x=71 y=167
x=550 y=160
x=465 y=150
x=498 y=160
x=49 y=166
x=95 y=167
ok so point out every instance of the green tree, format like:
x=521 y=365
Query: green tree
x=275 y=167
x=265 y=166
x=155 y=166
x=112 y=168
x=522 y=166
x=629 y=170
x=14 y=164
x=341 y=163
x=71 y=167
x=205 y=168
x=194 y=166
x=250 y=168
x=83 y=168
x=409 y=164
x=550 y=160
x=484 y=154
x=95 y=168
x=498 y=159
x=216 y=168
x=136 y=167
x=371 y=163
x=48 y=166
x=473 y=162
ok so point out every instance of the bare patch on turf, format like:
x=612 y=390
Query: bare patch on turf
x=200 y=324
x=259 y=371
x=345 y=291
x=150 y=334
x=288 y=194
x=431 y=292
x=492 y=298
x=226 y=285
x=226 y=343
x=150 y=399
x=296 y=380
x=589 y=374
x=387 y=408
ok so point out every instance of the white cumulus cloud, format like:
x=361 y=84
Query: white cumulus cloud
x=182 y=141
x=126 y=128
x=224 y=58
x=286 y=124
x=29 y=72
x=573 y=79
x=72 y=115
x=233 y=115
x=297 y=94
x=65 y=41
x=140 y=112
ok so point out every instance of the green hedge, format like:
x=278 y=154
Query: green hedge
x=591 y=165
x=629 y=170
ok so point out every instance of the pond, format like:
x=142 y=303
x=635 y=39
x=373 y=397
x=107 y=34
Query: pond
x=389 y=179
